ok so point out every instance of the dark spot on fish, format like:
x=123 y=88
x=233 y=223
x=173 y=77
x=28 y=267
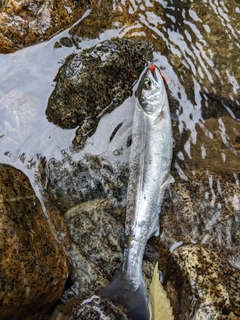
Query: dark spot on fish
x=129 y=141
x=115 y=131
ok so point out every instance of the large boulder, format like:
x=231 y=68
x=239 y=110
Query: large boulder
x=94 y=82
x=96 y=230
x=34 y=261
x=202 y=285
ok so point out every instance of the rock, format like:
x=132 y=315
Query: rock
x=204 y=208
x=96 y=230
x=202 y=220
x=34 y=261
x=207 y=58
x=63 y=310
x=95 y=81
x=215 y=148
x=27 y=22
x=201 y=285
x=70 y=182
x=95 y=244
x=97 y=308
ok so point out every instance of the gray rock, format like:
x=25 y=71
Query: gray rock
x=96 y=230
x=96 y=308
x=94 y=82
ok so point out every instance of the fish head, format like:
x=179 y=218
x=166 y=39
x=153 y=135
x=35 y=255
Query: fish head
x=151 y=92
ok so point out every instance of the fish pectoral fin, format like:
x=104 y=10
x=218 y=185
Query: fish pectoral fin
x=169 y=179
x=155 y=231
x=134 y=301
x=159 y=118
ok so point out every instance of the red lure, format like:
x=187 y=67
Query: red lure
x=152 y=69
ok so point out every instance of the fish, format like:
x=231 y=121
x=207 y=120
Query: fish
x=149 y=176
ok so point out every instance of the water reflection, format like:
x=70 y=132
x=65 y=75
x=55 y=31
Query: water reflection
x=198 y=50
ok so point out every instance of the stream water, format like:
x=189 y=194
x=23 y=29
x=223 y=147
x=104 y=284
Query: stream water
x=198 y=50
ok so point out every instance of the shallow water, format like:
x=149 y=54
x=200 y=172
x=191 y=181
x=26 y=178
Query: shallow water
x=198 y=50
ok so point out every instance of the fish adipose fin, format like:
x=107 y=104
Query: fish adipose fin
x=134 y=301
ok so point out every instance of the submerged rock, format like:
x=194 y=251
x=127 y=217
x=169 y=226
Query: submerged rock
x=34 y=261
x=97 y=308
x=27 y=22
x=208 y=61
x=216 y=147
x=202 y=285
x=200 y=279
x=95 y=81
x=96 y=230
x=70 y=182
x=204 y=209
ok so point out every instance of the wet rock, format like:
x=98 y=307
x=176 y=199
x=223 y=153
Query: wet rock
x=98 y=308
x=209 y=60
x=202 y=285
x=204 y=209
x=215 y=148
x=96 y=229
x=95 y=247
x=111 y=18
x=63 y=310
x=27 y=22
x=34 y=261
x=70 y=182
x=95 y=81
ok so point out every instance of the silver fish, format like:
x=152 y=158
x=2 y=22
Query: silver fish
x=150 y=162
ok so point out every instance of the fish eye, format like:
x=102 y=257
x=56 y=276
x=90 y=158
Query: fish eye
x=147 y=83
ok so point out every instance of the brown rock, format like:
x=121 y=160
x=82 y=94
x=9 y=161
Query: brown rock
x=201 y=285
x=216 y=148
x=98 y=308
x=26 y=22
x=34 y=264
x=204 y=209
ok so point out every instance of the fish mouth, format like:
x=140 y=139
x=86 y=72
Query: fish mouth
x=152 y=68
x=156 y=73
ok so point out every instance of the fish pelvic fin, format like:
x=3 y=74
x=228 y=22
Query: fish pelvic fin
x=134 y=301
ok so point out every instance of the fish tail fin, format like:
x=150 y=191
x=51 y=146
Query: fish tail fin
x=134 y=301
